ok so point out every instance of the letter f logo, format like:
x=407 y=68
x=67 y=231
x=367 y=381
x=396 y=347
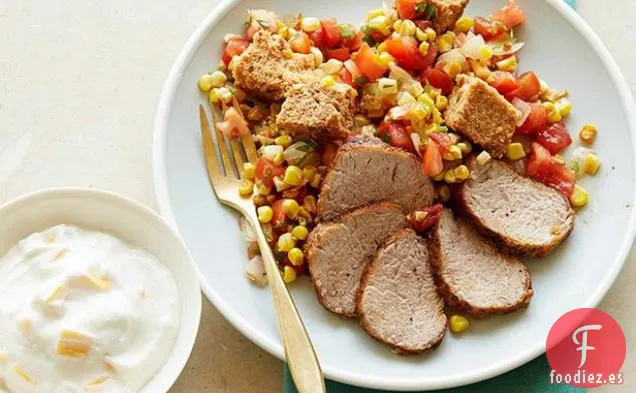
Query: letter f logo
x=584 y=347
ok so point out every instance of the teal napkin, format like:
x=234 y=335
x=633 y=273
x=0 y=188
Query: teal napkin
x=530 y=378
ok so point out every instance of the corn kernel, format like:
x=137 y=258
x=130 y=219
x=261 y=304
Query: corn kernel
x=205 y=83
x=361 y=120
x=515 y=152
x=279 y=158
x=444 y=193
x=430 y=34
x=464 y=24
x=309 y=203
x=439 y=176
x=587 y=134
x=427 y=100
x=293 y=176
x=328 y=81
x=285 y=242
x=553 y=114
x=265 y=214
x=564 y=106
x=397 y=25
x=419 y=111
x=376 y=12
x=296 y=256
x=458 y=323
x=310 y=25
x=385 y=59
x=407 y=28
x=315 y=182
x=213 y=97
x=249 y=170
x=291 y=207
x=485 y=53
x=453 y=153
x=579 y=197
x=246 y=188
x=283 y=140
x=483 y=158
x=379 y=23
x=318 y=56
x=284 y=32
x=289 y=275
x=309 y=171
x=591 y=164
x=300 y=232
x=445 y=42
x=441 y=102
x=74 y=344
x=509 y=64
x=382 y=47
x=424 y=47
x=259 y=200
x=449 y=177
x=465 y=147
x=462 y=172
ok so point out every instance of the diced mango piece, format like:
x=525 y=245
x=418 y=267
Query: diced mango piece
x=74 y=344
x=58 y=293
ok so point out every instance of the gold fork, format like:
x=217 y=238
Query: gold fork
x=299 y=352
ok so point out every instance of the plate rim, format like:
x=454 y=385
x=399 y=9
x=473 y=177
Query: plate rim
x=274 y=347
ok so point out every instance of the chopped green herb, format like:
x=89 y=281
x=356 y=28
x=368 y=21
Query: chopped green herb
x=264 y=24
x=420 y=8
x=443 y=129
x=386 y=138
x=361 y=80
x=430 y=12
x=366 y=29
x=369 y=40
x=575 y=167
x=347 y=31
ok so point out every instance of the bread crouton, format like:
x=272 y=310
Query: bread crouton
x=447 y=13
x=482 y=115
x=318 y=112
x=261 y=67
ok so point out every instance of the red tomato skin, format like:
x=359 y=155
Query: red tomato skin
x=396 y=135
x=253 y=250
x=330 y=33
x=233 y=48
x=406 y=52
x=279 y=214
x=406 y=8
x=266 y=171
x=432 y=161
x=489 y=29
x=537 y=120
x=438 y=79
x=443 y=141
x=346 y=77
x=434 y=213
x=555 y=139
x=341 y=54
x=504 y=82
x=353 y=43
x=510 y=15
x=529 y=87
x=364 y=59
x=542 y=167
x=316 y=38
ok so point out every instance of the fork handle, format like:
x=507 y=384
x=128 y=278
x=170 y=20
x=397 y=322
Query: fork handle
x=299 y=352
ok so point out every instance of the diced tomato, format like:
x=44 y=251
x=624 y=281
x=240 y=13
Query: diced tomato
x=353 y=43
x=253 y=250
x=300 y=43
x=341 y=54
x=489 y=29
x=328 y=153
x=406 y=52
x=536 y=121
x=432 y=162
x=330 y=33
x=529 y=86
x=279 y=213
x=504 y=82
x=542 y=167
x=511 y=15
x=432 y=216
x=443 y=141
x=366 y=61
x=234 y=47
x=267 y=170
x=345 y=76
x=395 y=134
x=423 y=24
x=407 y=9
x=555 y=139
x=438 y=79
x=316 y=38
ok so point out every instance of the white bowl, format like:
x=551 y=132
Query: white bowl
x=134 y=224
x=562 y=48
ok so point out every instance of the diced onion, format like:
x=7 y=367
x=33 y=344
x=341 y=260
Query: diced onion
x=454 y=55
x=256 y=271
x=472 y=46
x=270 y=151
x=246 y=230
x=500 y=50
x=522 y=107
x=398 y=113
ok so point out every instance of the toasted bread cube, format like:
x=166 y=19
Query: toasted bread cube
x=447 y=13
x=260 y=69
x=482 y=115
x=74 y=344
x=317 y=112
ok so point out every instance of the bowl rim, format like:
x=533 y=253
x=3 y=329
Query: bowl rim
x=274 y=347
x=188 y=333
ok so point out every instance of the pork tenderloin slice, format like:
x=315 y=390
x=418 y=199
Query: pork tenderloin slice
x=338 y=252
x=398 y=302
x=367 y=171
x=472 y=275
x=519 y=215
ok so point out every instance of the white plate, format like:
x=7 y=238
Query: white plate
x=127 y=220
x=566 y=53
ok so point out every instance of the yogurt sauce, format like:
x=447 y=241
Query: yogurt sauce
x=81 y=311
